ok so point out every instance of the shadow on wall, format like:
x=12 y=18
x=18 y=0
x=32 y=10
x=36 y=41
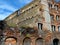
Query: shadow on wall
x=2 y=24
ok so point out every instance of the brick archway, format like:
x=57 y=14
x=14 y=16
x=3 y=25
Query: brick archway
x=27 y=41
x=55 y=41
x=39 y=41
x=10 y=41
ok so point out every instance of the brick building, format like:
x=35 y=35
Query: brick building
x=37 y=23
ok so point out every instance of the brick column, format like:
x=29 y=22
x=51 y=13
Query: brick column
x=44 y=42
x=33 y=41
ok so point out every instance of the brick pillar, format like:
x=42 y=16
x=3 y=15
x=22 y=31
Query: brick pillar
x=21 y=42
x=44 y=42
x=46 y=14
x=33 y=41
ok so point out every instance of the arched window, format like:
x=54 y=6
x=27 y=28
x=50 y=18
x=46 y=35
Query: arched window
x=57 y=17
x=55 y=41
x=59 y=28
x=27 y=41
x=40 y=25
x=56 y=7
x=10 y=41
x=50 y=5
x=52 y=17
x=53 y=27
x=39 y=41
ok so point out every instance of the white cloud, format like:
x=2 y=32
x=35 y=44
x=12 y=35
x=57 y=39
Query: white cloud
x=8 y=7
x=4 y=15
x=12 y=8
x=25 y=1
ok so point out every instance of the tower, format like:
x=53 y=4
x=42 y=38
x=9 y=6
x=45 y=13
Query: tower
x=45 y=8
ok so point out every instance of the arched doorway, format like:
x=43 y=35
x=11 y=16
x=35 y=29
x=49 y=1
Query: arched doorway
x=55 y=41
x=10 y=41
x=27 y=41
x=39 y=41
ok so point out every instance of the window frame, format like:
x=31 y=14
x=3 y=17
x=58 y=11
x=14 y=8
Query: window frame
x=53 y=26
x=58 y=28
x=41 y=25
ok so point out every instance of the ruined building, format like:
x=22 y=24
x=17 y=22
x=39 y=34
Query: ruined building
x=37 y=23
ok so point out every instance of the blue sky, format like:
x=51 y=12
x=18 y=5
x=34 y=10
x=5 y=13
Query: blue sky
x=9 y=6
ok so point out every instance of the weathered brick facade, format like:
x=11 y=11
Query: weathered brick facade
x=37 y=23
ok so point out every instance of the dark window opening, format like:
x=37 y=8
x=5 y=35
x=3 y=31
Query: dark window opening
x=57 y=17
x=53 y=28
x=40 y=26
x=55 y=41
x=18 y=12
x=52 y=18
x=58 y=28
x=40 y=9
x=50 y=5
x=56 y=7
x=36 y=5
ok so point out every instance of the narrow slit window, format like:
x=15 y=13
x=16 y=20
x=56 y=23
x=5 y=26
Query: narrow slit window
x=40 y=26
x=53 y=28
x=57 y=17
x=18 y=12
x=58 y=28
x=52 y=18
